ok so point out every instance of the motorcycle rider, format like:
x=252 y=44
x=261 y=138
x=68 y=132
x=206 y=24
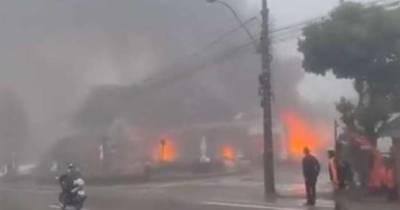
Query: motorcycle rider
x=71 y=184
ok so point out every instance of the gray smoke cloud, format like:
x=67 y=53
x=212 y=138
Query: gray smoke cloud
x=54 y=51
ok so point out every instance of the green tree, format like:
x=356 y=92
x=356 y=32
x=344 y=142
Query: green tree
x=363 y=44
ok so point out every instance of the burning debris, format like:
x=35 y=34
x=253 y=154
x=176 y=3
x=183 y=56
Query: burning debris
x=301 y=133
x=166 y=152
x=228 y=153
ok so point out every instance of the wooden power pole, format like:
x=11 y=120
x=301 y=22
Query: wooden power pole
x=266 y=94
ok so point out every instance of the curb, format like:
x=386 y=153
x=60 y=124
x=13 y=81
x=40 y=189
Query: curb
x=137 y=180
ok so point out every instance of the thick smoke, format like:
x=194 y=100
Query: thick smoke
x=54 y=51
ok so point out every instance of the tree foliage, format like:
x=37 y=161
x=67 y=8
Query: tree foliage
x=363 y=44
x=354 y=42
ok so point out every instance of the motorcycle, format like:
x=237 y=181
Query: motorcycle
x=72 y=198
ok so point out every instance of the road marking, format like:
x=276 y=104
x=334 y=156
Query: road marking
x=53 y=206
x=249 y=206
x=322 y=203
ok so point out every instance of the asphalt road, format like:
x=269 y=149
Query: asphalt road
x=238 y=192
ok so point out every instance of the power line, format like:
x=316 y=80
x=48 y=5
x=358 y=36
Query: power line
x=296 y=26
x=292 y=31
x=201 y=51
x=226 y=34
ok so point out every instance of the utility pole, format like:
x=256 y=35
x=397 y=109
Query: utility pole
x=266 y=94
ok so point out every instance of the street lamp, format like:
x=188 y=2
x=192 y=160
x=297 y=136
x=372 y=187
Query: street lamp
x=265 y=91
x=238 y=19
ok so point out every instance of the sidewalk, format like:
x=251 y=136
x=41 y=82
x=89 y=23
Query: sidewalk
x=351 y=200
x=248 y=189
x=290 y=192
x=138 y=178
x=365 y=205
x=289 y=184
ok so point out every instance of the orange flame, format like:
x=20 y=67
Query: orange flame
x=228 y=153
x=378 y=172
x=167 y=150
x=302 y=134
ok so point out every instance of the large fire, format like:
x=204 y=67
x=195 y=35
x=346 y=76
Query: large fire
x=228 y=153
x=166 y=151
x=303 y=134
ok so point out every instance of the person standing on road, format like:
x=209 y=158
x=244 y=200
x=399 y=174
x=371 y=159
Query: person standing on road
x=333 y=172
x=311 y=169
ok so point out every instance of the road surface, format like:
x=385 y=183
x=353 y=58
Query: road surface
x=222 y=193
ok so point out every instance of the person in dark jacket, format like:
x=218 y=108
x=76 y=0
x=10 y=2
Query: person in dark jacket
x=66 y=182
x=311 y=168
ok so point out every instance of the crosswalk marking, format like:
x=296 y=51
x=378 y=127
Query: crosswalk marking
x=54 y=206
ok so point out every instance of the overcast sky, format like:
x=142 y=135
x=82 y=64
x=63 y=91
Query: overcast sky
x=290 y=11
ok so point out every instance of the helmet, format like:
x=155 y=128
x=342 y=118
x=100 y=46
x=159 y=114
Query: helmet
x=71 y=166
